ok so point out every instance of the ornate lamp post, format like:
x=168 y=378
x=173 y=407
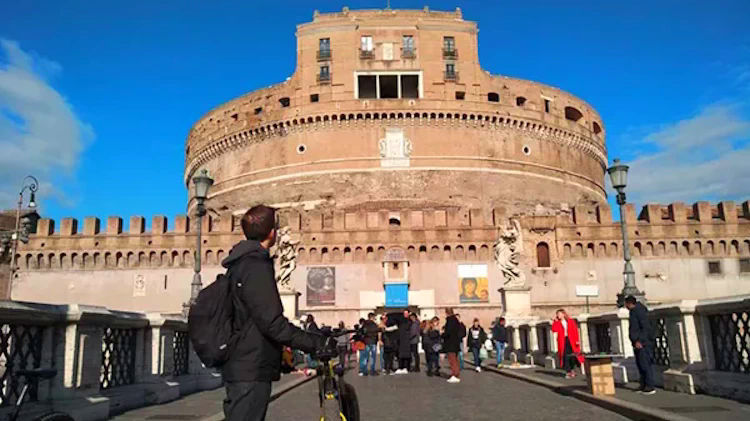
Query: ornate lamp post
x=618 y=173
x=202 y=183
x=31 y=184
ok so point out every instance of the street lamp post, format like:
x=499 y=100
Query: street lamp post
x=618 y=173
x=31 y=184
x=202 y=183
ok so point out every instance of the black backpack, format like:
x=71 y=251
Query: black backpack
x=210 y=323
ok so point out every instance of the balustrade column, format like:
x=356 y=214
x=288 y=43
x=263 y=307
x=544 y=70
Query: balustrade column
x=533 y=339
x=516 y=339
x=619 y=329
x=583 y=330
x=159 y=358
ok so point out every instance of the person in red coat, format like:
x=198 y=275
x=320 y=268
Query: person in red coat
x=568 y=343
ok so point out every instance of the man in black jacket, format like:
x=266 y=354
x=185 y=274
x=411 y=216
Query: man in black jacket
x=500 y=336
x=370 y=332
x=642 y=337
x=259 y=320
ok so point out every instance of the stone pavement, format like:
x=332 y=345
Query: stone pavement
x=662 y=405
x=479 y=396
x=201 y=406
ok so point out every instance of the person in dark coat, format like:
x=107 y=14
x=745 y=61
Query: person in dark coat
x=370 y=333
x=500 y=337
x=404 y=343
x=255 y=360
x=452 y=343
x=432 y=344
x=415 y=333
x=642 y=337
x=390 y=342
x=474 y=341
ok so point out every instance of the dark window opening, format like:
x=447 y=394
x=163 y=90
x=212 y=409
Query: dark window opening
x=450 y=71
x=714 y=267
x=325 y=72
x=394 y=222
x=520 y=101
x=235 y=116
x=460 y=95
x=284 y=101
x=367 y=86
x=258 y=110
x=744 y=265
x=597 y=128
x=388 y=87
x=324 y=49
x=313 y=97
x=493 y=97
x=546 y=105
x=449 y=44
x=409 y=86
x=573 y=114
x=542 y=255
x=395 y=265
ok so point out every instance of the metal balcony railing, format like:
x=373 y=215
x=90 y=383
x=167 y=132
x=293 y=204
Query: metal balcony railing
x=452 y=76
x=408 y=53
x=324 y=55
x=450 y=53
x=366 y=54
x=324 y=78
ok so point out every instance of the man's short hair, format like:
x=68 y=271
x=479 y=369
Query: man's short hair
x=630 y=299
x=258 y=222
x=370 y=315
x=502 y=319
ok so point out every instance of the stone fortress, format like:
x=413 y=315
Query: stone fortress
x=408 y=175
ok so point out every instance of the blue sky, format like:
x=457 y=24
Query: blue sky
x=96 y=98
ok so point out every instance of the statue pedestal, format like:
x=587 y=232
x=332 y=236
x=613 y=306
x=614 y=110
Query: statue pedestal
x=516 y=301
x=290 y=302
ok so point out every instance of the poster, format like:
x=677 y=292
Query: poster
x=473 y=286
x=321 y=286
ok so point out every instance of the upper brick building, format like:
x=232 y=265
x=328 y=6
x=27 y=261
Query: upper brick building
x=398 y=162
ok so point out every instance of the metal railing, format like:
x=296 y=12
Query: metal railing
x=409 y=53
x=20 y=348
x=451 y=53
x=731 y=340
x=181 y=348
x=118 y=357
x=661 y=342
x=324 y=77
x=324 y=55
x=450 y=75
x=366 y=54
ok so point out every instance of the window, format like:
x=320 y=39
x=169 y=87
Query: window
x=542 y=255
x=450 y=71
x=597 y=127
x=388 y=86
x=324 y=49
x=449 y=44
x=258 y=110
x=366 y=43
x=394 y=222
x=744 y=265
x=325 y=74
x=284 y=101
x=313 y=97
x=409 y=86
x=460 y=95
x=546 y=105
x=407 y=46
x=520 y=101
x=573 y=114
x=714 y=267
x=368 y=87
x=493 y=97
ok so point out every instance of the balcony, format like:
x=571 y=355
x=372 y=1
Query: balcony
x=324 y=55
x=450 y=76
x=450 y=53
x=366 y=54
x=408 y=53
x=324 y=78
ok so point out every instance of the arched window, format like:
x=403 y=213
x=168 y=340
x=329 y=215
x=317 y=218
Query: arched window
x=520 y=101
x=572 y=114
x=542 y=255
x=493 y=97
x=597 y=128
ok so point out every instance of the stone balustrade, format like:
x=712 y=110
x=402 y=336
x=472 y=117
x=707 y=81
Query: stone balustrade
x=701 y=346
x=107 y=361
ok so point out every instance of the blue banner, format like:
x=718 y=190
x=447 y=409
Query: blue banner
x=396 y=295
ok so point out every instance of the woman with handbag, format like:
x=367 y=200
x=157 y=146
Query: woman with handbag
x=568 y=343
x=432 y=346
x=475 y=341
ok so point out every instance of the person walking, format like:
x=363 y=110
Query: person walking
x=255 y=359
x=474 y=341
x=404 y=343
x=342 y=345
x=370 y=333
x=500 y=337
x=462 y=333
x=452 y=343
x=641 y=335
x=568 y=343
x=414 y=342
x=390 y=343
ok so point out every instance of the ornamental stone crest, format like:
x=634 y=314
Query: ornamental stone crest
x=508 y=248
x=286 y=256
x=395 y=149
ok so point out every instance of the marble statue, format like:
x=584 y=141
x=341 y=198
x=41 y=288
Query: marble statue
x=286 y=256
x=507 y=250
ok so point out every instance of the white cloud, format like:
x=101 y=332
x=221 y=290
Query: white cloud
x=706 y=157
x=39 y=132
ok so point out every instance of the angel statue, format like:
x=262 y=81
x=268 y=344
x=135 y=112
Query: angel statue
x=508 y=254
x=286 y=254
